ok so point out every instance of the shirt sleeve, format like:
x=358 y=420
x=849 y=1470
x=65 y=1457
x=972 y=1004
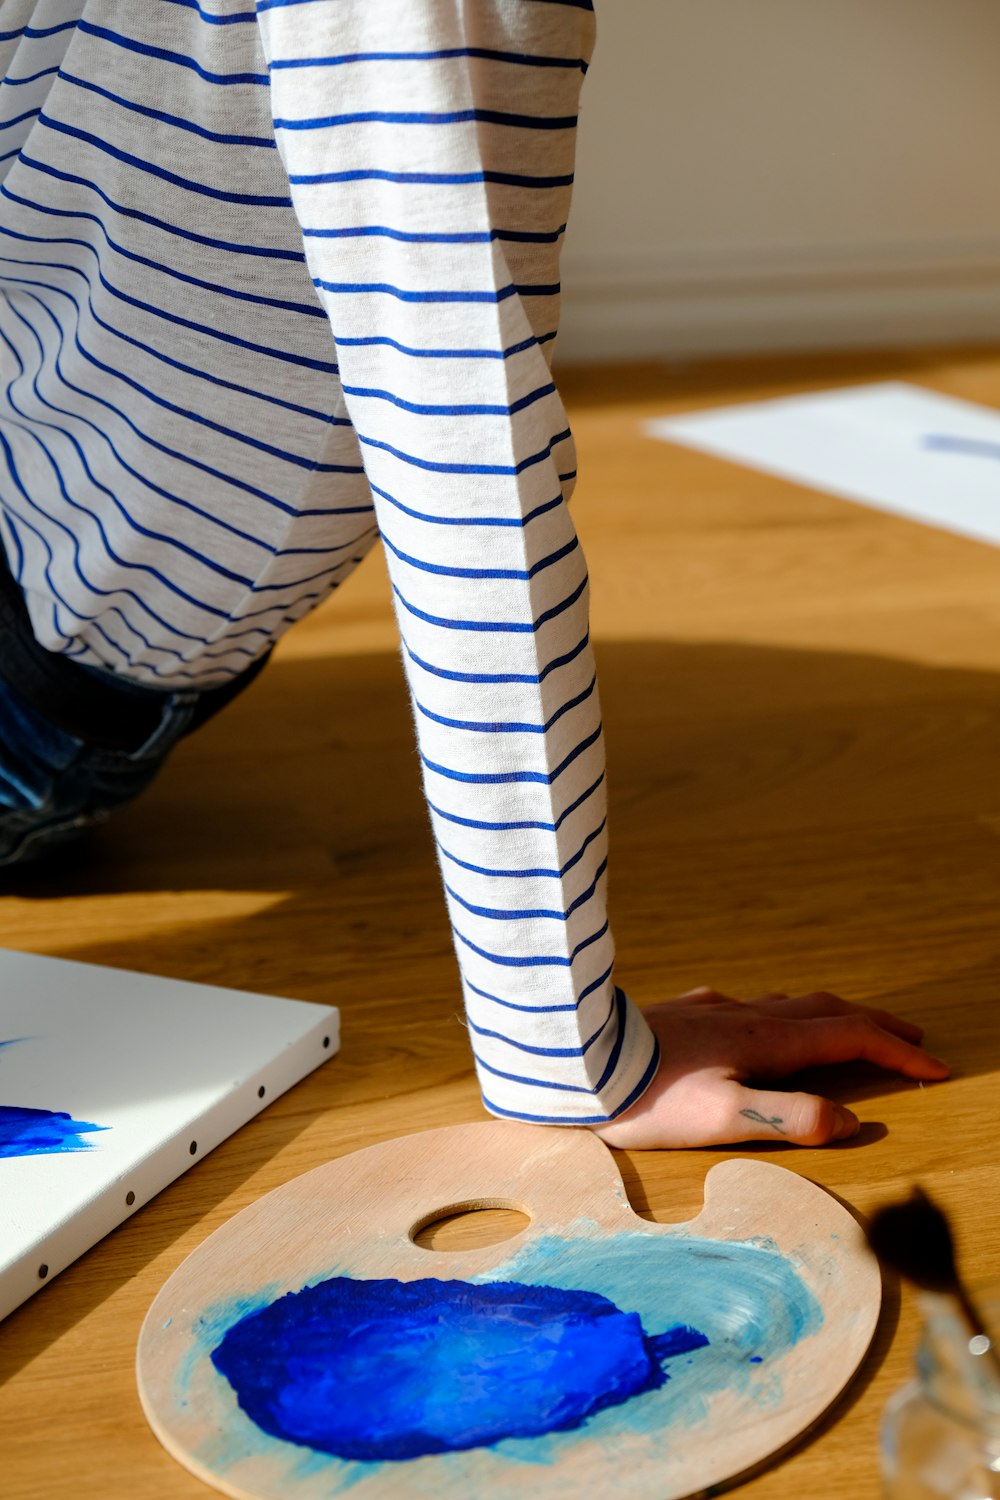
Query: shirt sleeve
x=429 y=147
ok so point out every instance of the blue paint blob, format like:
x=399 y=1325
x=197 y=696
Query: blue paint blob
x=746 y=1298
x=396 y=1370
x=41 y=1132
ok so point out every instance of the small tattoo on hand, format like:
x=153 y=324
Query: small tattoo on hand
x=755 y=1115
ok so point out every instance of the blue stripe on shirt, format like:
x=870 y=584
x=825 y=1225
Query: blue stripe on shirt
x=9 y=82
x=176 y=121
x=581 y=1051
x=423 y=409
x=508 y=726
x=160 y=312
x=408 y=294
x=35 y=32
x=533 y=960
x=512 y=575
x=440 y=54
x=590 y=989
x=255 y=200
x=300 y=309
x=441 y=237
x=530 y=913
x=367 y=441
x=426 y=117
x=236 y=18
x=521 y=522
x=300 y=461
x=172 y=541
x=123 y=212
x=152 y=442
x=500 y=677
x=510 y=778
x=432 y=179
x=531 y=873
x=495 y=627
x=537 y=1083
x=615 y=1053
x=101 y=593
x=513 y=825
x=163 y=54
x=376 y=340
x=601 y=1119
x=29 y=114
x=216 y=520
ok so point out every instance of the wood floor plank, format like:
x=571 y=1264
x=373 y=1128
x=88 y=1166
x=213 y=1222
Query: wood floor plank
x=802 y=700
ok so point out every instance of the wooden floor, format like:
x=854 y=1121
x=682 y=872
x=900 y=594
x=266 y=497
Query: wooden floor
x=802 y=701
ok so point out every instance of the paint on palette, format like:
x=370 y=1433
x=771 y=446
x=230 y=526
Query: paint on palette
x=729 y=1311
x=394 y=1370
x=42 y=1132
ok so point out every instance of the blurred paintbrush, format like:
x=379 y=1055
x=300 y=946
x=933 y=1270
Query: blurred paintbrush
x=914 y=1239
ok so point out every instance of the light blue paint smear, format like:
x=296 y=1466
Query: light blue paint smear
x=42 y=1132
x=746 y=1298
x=735 y=1307
x=396 y=1370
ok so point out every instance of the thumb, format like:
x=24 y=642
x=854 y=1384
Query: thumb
x=802 y=1119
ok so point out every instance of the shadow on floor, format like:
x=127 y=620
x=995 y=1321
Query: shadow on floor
x=780 y=820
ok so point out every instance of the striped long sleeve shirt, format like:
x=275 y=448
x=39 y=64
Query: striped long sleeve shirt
x=281 y=281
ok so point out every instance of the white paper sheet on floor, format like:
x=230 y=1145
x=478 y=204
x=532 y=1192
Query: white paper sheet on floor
x=893 y=446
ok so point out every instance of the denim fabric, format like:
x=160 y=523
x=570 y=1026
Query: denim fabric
x=53 y=786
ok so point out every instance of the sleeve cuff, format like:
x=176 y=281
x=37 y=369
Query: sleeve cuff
x=630 y=1068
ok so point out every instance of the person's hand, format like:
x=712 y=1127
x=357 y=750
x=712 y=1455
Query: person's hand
x=713 y=1049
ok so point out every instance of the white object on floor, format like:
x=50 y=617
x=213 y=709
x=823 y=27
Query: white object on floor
x=167 y=1069
x=893 y=446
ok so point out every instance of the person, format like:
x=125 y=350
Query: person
x=279 y=280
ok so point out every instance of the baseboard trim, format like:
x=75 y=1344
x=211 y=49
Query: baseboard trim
x=768 y=304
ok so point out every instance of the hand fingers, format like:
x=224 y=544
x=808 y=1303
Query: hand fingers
x=820 y=1004
x=852 y=1038
x=896 y=1024
x=801 y=1119
x=705 y=995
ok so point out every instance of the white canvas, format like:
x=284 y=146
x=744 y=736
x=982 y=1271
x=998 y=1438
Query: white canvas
x=169 y=1069
x=894 y=446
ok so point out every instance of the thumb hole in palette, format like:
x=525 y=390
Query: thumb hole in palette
x=469 y=1226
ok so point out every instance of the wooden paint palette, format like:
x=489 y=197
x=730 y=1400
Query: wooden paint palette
x=772 y=1276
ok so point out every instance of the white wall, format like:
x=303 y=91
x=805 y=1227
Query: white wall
x=767 y=174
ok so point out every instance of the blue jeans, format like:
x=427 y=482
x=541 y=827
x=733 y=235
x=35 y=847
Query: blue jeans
x=54 y=786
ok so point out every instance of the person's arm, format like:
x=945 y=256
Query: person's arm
x=429 y=148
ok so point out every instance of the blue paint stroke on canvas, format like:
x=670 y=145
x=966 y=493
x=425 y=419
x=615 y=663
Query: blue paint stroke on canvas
x=943 y=442
x=42 y=1132
x=385 y=1369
